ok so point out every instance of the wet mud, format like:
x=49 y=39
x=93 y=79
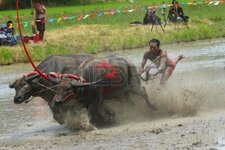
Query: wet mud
x=190 y=114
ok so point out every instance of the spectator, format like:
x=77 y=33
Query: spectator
x=163 y=12
x=6 y=34
x=176 y=13
x=40 y=12
x=10 y=27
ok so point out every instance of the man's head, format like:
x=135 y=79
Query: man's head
x=154 y=44
x=10 y=24
x=176 y=4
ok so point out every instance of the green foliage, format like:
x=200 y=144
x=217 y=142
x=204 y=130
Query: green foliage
x=6 y=56
x=7 y=4
x=111 y=32
x=92 y=48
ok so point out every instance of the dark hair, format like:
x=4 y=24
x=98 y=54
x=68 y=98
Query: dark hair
x=155 y=41
x=9 y=22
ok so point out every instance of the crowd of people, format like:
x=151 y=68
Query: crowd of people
x=7 y=31
x=175 y=14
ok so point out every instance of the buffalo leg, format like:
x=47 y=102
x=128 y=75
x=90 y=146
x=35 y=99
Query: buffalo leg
x=100 y=116
x=142 y=92
x=105 y=115
x=93 y=110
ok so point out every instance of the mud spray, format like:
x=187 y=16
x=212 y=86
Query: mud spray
x=185 y=94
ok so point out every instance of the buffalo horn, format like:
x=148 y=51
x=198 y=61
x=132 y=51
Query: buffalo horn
x=74 y=83
x=31 y=76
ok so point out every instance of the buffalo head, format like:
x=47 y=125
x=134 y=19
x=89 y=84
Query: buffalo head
x=23 y=87
x=71 y=87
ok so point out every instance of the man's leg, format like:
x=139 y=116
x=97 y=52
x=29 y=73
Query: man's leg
x=166 y=75
x=42 y=30
x=179 y=57
x=41 y=35
x=169 y=69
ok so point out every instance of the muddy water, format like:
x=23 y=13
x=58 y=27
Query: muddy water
x=195 y=89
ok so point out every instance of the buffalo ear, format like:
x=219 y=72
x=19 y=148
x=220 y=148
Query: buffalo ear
x=12 y=85
x=31 y=77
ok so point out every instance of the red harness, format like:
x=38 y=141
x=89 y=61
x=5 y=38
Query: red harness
x=110 y=75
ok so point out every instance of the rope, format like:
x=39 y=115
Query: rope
x=24 y=46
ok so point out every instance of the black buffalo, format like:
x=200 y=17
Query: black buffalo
x=56 y=63
x=97 y=80
x=32 y=84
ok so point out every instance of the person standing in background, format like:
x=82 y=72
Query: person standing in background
x=10 y=27
x=163 y=12
x=40 y=12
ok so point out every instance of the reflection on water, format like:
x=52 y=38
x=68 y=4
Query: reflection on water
x=15 y=118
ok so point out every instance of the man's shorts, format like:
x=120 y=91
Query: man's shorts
x=40 y=25
x=170 y=68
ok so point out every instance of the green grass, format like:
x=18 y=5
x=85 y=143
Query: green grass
x=110 y=32
x=56 y=12
x=6 y=56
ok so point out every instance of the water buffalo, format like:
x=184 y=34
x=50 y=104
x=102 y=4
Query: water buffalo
x=33 y=84
x=97 y=80
x=56 y=63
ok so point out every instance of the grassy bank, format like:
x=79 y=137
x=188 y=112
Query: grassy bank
x=112 y=32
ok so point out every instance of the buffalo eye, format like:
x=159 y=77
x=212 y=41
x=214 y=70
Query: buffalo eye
x=22 y=83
